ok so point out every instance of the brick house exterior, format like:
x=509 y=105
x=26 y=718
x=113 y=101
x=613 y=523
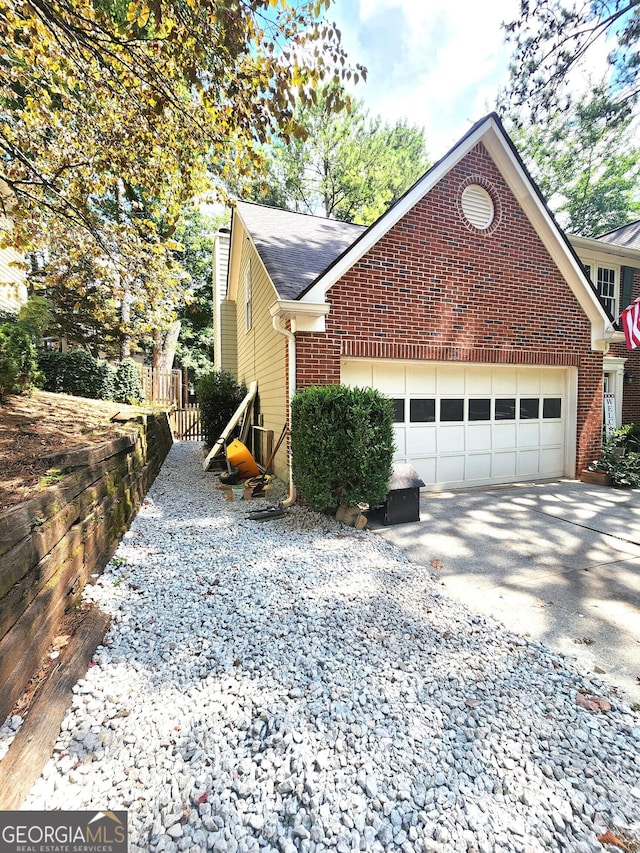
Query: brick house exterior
x=494 y=321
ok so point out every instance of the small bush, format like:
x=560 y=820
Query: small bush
x=342 y=445
x=51 y=366
x=127 y=386
x=18 y=362
x=219 y=395
x=78 y=373
x=620 y=457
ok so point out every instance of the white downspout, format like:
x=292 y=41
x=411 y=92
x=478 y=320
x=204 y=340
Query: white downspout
x=291 y=338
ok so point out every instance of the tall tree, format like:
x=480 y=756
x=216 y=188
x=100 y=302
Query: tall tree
x=195 y=233
x=115 y=114
x=551 y=38
x=586 y=164
x=348 y=165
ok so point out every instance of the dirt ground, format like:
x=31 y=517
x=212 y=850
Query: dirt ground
x=32 y=427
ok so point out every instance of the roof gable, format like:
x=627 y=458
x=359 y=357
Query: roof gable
x=490 y=132
x=304 y=256
x=627 y=236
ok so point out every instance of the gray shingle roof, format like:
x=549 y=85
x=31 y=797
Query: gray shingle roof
x=627 y=236
x=295 y=247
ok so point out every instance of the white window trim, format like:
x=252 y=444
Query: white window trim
x=248 y=298
x=595 y=261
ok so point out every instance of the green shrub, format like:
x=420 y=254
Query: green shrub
x=78 y=373
x=219 y=395
x=342 y=445
x=51 y=366
x=127 y=386
x=620 y=457
x=18 y=363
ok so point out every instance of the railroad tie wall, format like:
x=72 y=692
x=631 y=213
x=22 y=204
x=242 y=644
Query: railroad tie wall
x=51 y=544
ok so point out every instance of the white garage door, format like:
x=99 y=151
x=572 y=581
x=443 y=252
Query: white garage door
x=472 y=425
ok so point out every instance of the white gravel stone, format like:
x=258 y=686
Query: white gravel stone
x=298 y=686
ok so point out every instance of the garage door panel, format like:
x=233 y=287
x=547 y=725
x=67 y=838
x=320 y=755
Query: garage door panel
x=421 y=440
x=504 y=465
x=451 y=381
x=478 y=467
x=528 y=463
x=450 y=438
x=480 y=382
x=399 y=437
x=529 y=382
x=467 y=424
x=529 y=435
x=426 y=469
x=551 y=433
x=478 y=436
x=552 y=383
x=359 y=374
x=505 y=384
x=504 y=435
x=551 y=461
x=450 y=469
x=389 y=378
x=421 y=381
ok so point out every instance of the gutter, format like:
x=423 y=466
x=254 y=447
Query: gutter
x=291 y=340
x=304 y=317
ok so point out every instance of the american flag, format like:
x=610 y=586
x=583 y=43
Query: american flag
x=630 y=319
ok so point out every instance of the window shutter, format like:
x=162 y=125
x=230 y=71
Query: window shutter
x=627 y=287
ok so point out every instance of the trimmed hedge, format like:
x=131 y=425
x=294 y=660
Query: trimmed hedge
x=127 y=385
x=342 y=445
x=78 y=373
x=18 y=362
x=219 y=395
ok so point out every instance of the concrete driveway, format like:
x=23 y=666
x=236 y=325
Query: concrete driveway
x=557 y=561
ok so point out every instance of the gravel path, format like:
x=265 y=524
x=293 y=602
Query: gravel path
x=299 y=685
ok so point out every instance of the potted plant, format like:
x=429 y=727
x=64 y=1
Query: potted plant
x=620 y=459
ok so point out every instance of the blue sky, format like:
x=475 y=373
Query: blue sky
x=437 y=63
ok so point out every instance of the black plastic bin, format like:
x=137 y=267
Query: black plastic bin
x=403 y=498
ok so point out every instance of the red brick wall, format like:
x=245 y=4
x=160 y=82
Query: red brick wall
x=433 y=288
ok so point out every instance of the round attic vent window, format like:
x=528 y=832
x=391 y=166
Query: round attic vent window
x=477 y=206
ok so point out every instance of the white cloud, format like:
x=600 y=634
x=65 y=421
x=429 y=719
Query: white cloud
x=436 y=63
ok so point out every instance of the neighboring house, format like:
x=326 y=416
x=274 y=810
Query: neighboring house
x=13 y=281
x=465 y=303
x=613 y=263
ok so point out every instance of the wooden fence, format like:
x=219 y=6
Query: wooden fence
x=161 y=387
x=186 y=423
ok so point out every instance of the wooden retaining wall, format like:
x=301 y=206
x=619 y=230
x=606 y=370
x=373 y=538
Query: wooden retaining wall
x=51 y=544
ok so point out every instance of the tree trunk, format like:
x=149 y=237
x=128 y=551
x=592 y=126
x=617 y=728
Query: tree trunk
x=169 y=346
x=164 y=347
x=125 y=304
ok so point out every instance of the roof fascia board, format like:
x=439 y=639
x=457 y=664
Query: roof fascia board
x=593 y=246
x=235 y=252
x=235 y=256
x=304 y=316
x=369 y=238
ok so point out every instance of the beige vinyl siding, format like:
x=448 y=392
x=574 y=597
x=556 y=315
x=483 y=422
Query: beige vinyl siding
x=262 y=351
x=228 y=355
x=13 y=290
x=219 y=285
